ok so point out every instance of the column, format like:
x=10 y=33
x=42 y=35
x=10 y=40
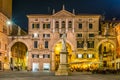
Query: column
x=53 y=61
x=53 y=23
x=29 y=65
x=60 y=25
x=9 y=57
x=73 y=24
x=66 y=25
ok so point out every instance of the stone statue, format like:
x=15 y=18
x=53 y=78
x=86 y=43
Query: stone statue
x=64 y=48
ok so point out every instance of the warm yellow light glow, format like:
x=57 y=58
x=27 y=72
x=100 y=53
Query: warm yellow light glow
x=58 y=48
x=57 y=51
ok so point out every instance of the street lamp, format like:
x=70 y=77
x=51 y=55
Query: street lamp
x=9 y=23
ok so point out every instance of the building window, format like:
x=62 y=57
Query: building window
x=79 y=35
x=46 y=26
x=91 y=35
x=56 y=24
x=90 y=44
x=35 y=35
x=35 y=25
x=46 y=55
x=61 y=35
x=35 y=55
x=63 y=24
x=80 y=55
x=35 y=44
x=80 y=25
x=0 y=54
x=46 y=44
x=90 y=56
x=32 y=55
x=90 y=26
x=46 y=35
x=46 y=66
x=104 y=48
x=105 y=63
x=80 y=44
x=70 y=24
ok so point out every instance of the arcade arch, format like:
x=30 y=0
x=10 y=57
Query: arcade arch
x=57 y=50
x=106 y=53
x=56 y=53
x=18 y=54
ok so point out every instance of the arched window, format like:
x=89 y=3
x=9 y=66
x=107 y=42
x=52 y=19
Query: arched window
x=63 y=24
x=70 y=24
x=56 y=24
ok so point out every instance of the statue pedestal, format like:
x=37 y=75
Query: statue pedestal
x=63 y=66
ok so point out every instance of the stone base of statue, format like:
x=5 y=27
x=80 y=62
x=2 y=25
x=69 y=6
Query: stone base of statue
x=62 y=70
x=63 y=66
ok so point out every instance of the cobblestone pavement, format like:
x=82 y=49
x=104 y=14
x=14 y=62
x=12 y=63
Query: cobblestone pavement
x=18 y=75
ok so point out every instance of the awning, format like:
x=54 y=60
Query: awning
x=77 y=61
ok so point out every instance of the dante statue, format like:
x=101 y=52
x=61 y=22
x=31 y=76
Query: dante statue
x=64 y=48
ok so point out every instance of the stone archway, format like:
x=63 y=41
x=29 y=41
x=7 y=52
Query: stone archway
x=18 y=54
x=19 y=40
x=56 y=56
x=106 y=53
x=105 y=40
x=57 y=51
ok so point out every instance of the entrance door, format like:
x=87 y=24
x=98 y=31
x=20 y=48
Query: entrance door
x=46 y=66
x=35 y=67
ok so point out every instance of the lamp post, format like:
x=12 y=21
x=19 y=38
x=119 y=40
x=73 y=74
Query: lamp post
x=9 y=25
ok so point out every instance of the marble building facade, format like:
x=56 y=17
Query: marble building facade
x=89 y=44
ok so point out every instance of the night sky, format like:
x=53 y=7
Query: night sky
x=109 y=8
